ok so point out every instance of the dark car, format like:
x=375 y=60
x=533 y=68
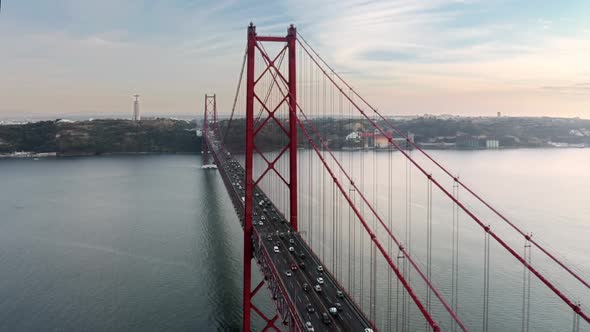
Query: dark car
x=301 y=255
x=302 y=265
x=306 y=287
x=310 y=308
x=326 y=319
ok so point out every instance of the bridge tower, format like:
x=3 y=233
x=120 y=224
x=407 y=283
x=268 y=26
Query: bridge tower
x=209 y=118
x=268 y=67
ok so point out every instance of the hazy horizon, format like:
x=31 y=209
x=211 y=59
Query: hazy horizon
x=408 y=57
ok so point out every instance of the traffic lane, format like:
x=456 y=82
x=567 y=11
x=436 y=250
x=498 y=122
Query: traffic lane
x=315 y=299
x=359 y=320
x=326 y=299
x=280 y=263
x=320 y=305
x=295 y=289
x=283 y=285
x=331 y=297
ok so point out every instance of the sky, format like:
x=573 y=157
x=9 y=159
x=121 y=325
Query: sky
x=408 y=57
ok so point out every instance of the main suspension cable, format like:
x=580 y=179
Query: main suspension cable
x=233 y=109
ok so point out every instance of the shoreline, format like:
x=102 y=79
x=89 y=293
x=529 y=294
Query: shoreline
x=34 y=155
x=29 y=155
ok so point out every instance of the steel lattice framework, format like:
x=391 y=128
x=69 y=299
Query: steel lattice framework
x=252 y=98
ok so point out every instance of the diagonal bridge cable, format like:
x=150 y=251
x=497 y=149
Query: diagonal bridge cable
x=576 y=308
x=527 y=236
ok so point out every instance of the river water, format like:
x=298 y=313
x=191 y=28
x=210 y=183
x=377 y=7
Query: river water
x=151 y=243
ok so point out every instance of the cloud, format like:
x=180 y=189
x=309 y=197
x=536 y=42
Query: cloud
x=430 y=48
x=574 y=88
x=177 y=50
x=545 y=24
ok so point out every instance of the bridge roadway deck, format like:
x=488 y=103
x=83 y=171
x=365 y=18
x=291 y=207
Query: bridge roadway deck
x=277 y=232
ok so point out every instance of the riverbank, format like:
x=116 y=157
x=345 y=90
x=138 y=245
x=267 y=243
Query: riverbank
x=84 y=138
x=28 y=154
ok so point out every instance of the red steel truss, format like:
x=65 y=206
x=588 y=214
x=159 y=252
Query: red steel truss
x=254 y=47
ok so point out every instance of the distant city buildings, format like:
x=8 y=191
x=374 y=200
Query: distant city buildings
x=382 y=141
x=374 y=140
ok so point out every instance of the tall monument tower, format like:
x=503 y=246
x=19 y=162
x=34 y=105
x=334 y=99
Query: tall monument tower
x=136 y=116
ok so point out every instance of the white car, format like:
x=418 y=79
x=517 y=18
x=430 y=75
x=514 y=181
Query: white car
x=320 y=280
x=320 y=268
x=291 y=249
x=276 y=249
x=333 y=311
x=309 y=327
x=288 y=273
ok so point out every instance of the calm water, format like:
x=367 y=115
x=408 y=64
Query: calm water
x=140 y=243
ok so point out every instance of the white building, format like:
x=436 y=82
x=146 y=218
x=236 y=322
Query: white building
x=136 y=116
x=492 y=144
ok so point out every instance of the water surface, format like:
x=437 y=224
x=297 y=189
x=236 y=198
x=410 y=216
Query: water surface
x=151 y=243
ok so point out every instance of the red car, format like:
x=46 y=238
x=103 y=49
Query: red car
x=293 y=267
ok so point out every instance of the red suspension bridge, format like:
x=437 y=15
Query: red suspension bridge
x=350 y=241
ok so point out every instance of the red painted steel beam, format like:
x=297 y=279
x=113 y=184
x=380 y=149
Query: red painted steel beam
x=215 y=110
x=291 y=42
x=271 y=39
x=271 y=324
x=257 y=288
x=248 y=200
